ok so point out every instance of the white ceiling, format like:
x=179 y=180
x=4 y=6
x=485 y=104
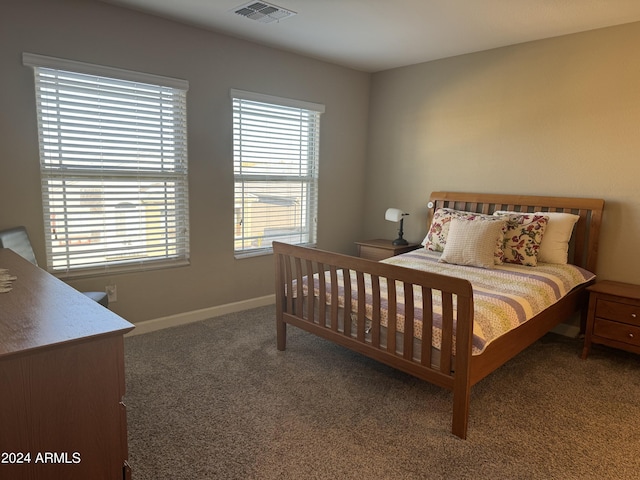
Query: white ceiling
x=374 y=35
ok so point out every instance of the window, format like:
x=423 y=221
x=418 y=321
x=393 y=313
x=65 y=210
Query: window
x=113 y=164
x=275 y=159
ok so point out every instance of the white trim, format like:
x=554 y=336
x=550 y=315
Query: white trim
x=35 y=60
x=287 y=102
x=198 y=315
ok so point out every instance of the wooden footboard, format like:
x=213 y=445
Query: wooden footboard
x=300 y=270
x=344 y=322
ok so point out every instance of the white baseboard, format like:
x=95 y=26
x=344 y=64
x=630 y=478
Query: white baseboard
x=198 y=315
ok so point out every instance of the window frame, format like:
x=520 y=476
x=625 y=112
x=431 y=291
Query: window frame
x=278 y=172
x=153 y=171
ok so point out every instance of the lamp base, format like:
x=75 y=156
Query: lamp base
x=400 y=241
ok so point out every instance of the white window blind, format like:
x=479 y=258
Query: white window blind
x=113 y=163
x=276 y=151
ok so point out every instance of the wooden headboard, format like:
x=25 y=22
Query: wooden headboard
x=584 y=243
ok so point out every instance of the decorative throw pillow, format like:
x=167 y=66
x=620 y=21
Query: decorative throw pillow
x=472 y=242
x=555 y=243
x=523 y=237
x=436 y=238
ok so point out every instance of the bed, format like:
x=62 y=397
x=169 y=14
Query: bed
x=432 y=324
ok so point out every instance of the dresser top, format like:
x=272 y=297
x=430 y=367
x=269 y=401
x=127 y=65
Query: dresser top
x=41 y=311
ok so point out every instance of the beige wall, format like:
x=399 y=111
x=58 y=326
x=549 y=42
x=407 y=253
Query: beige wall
x=95 y=32
x=553 y=117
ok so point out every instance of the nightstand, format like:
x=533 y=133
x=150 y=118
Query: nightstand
x=614 y=316
x=380 y=249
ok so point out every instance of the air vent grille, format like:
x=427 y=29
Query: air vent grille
x=263 y=12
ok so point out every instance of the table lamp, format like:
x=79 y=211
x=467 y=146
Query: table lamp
x=396 y=215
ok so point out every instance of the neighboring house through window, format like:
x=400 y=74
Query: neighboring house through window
x=113 y=163
x=275 y=160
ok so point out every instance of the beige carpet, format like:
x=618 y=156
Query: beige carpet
x=215 y=399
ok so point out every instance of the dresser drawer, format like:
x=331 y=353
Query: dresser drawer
x=620 y=312
x=620 y=332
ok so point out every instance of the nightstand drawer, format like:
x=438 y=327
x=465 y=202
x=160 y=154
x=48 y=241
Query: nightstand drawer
x=620 y=312
x=372 y=253
x=614 y=316
x=380 y=249
x=619 y=332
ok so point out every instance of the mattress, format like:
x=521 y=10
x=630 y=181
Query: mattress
x=504 y=297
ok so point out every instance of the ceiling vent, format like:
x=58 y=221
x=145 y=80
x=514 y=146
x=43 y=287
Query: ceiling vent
x=263 y=12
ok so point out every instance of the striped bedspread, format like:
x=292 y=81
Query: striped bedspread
x=504 y=297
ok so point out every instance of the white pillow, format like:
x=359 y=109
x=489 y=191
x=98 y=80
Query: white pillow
x=555 y=242
x=472 y=243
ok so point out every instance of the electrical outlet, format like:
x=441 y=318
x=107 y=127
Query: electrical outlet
x=112 y=293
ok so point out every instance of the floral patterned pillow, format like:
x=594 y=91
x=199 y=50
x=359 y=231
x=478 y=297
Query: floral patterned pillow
x=523 y=237
x=436 y=238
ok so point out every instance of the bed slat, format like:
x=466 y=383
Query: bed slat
x=289 y=280
x=346 y=317
x=299 y=284
x=446 y=350
x=310 y=302
x=334 y=295
x=362 y=297
x=427 y=326
x=393 y=311
x=407 y=348
x=375 y=318
x=322 y=290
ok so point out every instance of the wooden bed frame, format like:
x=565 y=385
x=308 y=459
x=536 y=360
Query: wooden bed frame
x=294 y=263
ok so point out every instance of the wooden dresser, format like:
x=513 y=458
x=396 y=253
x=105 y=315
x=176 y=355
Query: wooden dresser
x=61 y=381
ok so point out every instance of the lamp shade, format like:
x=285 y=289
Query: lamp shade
x=393 y=214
